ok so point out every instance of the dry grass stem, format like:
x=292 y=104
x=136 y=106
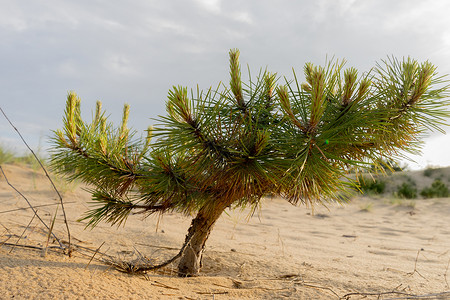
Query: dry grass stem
x=159 y=284
x=96 y=251
x=32 y=218
x=44 y=252
x=445 y=274
x=159 y=247
x=280 y=242
x=7 y=238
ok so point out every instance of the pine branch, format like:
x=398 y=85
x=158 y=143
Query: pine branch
x=235 y=81
x=112 y=209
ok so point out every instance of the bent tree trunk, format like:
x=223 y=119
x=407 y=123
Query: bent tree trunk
x=191 y=259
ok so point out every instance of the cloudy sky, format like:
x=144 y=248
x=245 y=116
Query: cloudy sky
x=135 y=51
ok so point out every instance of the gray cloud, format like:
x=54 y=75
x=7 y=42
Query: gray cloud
x=135 y=51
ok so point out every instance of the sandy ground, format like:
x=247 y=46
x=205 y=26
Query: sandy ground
x=371 y=245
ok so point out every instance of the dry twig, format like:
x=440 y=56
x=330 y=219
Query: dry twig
x=132 y=267
x=436 y=296
x=415 y=267
x=36 y=206
x=318 y=287
x=55 y=248
x=212 y=293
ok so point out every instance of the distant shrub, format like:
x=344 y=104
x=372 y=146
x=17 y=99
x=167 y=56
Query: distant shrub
x=370 y=186
x=407 y=190
x=436 y=190
x=5 y=155
x=428 y=172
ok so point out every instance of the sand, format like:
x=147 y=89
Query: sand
x=370 y=245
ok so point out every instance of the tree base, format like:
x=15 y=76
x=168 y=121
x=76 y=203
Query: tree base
x=201 y=226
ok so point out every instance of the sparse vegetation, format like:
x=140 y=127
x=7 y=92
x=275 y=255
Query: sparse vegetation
x=436 y=190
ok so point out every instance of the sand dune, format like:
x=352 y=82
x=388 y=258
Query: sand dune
x=370 y=245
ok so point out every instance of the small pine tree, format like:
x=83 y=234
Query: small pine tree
x=230 y=146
